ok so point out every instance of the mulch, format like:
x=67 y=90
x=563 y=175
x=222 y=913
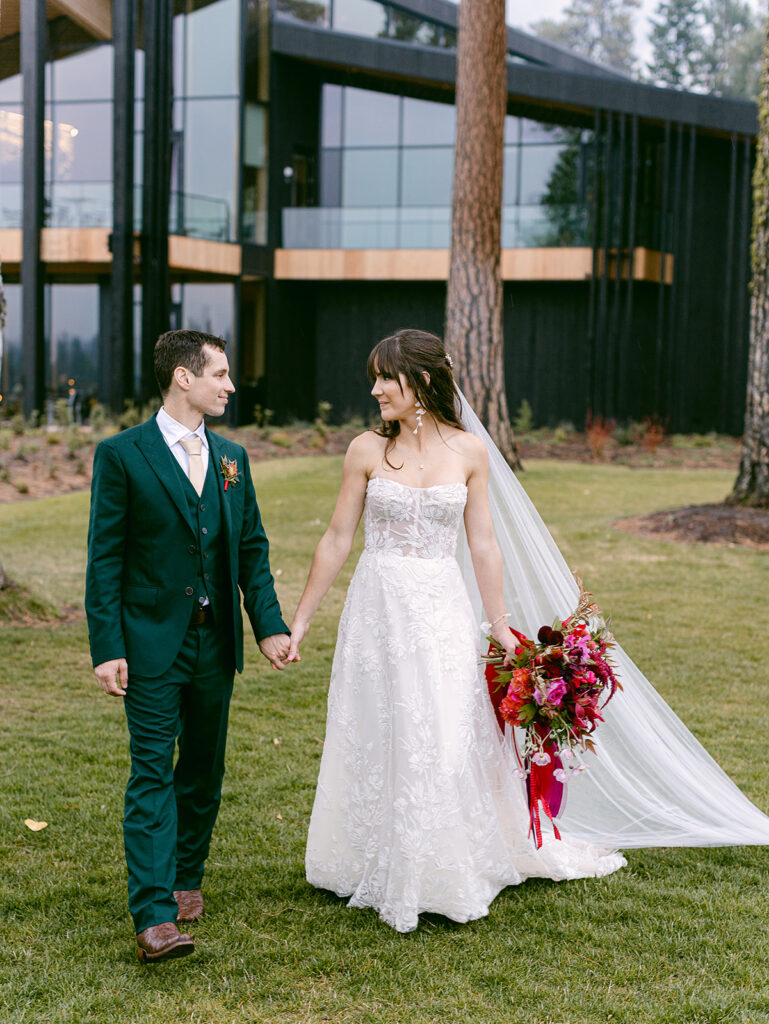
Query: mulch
x=44 y=464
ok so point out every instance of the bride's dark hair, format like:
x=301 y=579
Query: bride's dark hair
x=414 y=353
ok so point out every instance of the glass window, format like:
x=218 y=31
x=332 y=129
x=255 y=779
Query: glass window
x=370 y=177
x=428 y=124
x=331 y=116
x=313 y=12
x=11 y=142
x=412 y=30
x=449 y=39
x=11 y=205
x=208 y=308
x=79 y=204
x=427 y=176
x=510 y=176
x=83 y=76
x=254 y=195
x=361 y=17
x=10 y=354
x=212 y=48
x=537 y=163
x=370 y=118
x=331 y=177
x=512 y=129
x=73 y=338
x=538 y=131
x=211 y=162
x=10 y=89
x=78 y=142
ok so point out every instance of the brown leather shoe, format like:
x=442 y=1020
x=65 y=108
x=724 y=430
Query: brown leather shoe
x=162 y=942
x=190 y=902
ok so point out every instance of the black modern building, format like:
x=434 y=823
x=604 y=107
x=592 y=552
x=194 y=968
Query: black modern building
x=279 y=172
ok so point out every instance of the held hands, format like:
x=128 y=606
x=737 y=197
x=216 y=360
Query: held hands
x=275 y=649
x=112 y=677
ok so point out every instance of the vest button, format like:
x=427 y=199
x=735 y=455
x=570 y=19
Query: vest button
x=192 y=549
x=202 y=508
x=204 y=530
x=206 y=575
x=201 y=600
x=189 y=591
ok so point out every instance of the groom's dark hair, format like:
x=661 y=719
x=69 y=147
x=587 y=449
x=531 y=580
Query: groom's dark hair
x=182 y=348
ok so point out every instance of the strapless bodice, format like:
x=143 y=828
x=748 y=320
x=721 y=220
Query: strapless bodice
x=413 y=522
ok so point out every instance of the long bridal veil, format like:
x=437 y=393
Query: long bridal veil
x=651 y=782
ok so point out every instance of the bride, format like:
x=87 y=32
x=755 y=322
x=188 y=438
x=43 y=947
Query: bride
x=417 y=808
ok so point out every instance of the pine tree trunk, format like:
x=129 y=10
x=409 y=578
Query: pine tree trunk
x=752 y=484
x=474 y=301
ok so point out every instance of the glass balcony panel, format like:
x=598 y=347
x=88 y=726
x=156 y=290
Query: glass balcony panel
x=426 y=227
x=428 y=124
x=311 y=12
x=370 y=177
x=79 y=204
x=212 y=48
x=370 y=118
x=331 y=116
x=11 y=205
x=428 y=175
x=86 y=75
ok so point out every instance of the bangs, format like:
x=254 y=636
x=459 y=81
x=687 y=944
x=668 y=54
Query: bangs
x=384 y=359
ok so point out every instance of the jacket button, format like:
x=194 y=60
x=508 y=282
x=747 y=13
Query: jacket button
x=189 y=591
x=201 y=600
x=192 y=549
x=202 y=508
x=204 y=530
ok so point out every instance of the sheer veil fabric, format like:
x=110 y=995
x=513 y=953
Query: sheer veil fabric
x=651 y=782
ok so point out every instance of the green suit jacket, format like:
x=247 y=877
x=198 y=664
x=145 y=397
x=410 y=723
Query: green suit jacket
x=142 y=560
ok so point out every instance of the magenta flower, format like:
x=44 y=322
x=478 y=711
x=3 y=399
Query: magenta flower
x=557 y=691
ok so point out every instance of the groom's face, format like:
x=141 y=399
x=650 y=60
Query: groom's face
x=208 y=393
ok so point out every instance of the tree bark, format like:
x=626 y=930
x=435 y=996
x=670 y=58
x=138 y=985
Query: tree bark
x=474 y=301
x=752 y=484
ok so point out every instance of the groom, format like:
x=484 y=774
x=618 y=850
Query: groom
x=174 y=532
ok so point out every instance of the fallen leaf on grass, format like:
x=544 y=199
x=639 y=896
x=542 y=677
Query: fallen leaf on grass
x=277 y=741
x=279 y=817
x=35 y=826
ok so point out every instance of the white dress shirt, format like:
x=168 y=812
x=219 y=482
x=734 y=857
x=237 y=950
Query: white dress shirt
x=173 y=431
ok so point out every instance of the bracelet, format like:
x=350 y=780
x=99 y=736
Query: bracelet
x=504 y=615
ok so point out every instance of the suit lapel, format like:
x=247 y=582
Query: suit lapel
x=216 y=448
x=161 y=462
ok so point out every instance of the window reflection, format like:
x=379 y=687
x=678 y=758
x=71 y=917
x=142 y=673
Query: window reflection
x=537 y=164
x=206 y=307
x=362 y=17
x=73 y=338
x=428 y=124
x=427 y=176
x=370 y=177
x=10 y=89
x=210 y=169
x=82 y=76
x=255 y=174
x=370 y=118
x=212 y=48
x=313 y=12
x=331 y=116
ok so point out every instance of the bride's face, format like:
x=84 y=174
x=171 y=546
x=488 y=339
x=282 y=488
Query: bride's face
x=395 y=397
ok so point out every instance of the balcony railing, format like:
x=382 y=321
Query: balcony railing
x=426 y=227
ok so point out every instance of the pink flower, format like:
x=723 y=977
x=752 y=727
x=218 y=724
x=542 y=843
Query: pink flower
x=560 y=775
x=556 y=692
x=541 y=758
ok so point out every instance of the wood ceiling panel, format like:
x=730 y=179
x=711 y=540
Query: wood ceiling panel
x=95 y=16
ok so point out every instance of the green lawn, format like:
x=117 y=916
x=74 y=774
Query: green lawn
x=678 y=936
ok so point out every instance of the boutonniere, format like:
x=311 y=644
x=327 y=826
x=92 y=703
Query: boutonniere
x=229 y=470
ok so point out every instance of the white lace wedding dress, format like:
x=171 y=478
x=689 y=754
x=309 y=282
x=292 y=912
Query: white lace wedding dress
x=417 y=809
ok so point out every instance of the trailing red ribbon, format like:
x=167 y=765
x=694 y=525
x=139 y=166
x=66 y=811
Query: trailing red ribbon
x=539 y=782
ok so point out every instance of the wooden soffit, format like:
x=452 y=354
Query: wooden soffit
x=95 y=16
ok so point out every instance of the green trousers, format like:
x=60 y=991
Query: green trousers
x=170 y=812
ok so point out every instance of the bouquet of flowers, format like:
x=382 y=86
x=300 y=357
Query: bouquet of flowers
x=552 y=689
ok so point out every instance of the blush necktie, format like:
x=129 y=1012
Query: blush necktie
x=193 y=445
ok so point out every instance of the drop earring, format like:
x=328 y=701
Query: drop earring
x=420 y=413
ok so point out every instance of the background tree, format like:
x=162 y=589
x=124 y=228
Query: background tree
x=474 y=295
x=752 y=484
x=601 y=30
x=732 y=56
x=678 y=44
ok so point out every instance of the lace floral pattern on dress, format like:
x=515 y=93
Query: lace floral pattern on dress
x=416 y=808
